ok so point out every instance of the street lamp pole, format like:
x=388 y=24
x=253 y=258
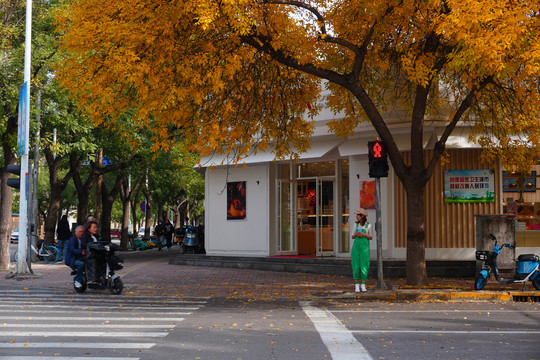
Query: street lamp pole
x=22 y=144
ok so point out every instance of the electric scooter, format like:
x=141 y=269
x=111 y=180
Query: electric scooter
x=100 y=268
x=191 y=240
x=528 y=268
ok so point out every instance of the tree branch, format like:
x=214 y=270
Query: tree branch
x=262 y=44
x=440 y=145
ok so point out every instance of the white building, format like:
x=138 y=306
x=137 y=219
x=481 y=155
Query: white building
x=304 y=207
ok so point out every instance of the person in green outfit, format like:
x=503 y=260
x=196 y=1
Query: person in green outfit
x=362 y=234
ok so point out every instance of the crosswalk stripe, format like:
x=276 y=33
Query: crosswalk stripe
x=113 y=324
x=79 y=345
x=89 y=326
x=456 y=332
x=64 y=358
x=84 y=333
x=90 y=307
x=85 y=311
x=101 y=300
x=338 y=339
x=95 y=318
x=41 y=293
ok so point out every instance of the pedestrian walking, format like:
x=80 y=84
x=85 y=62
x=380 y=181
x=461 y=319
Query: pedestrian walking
x=168 y=230
x=159 y=232
x=361 y=234
x=63 y=233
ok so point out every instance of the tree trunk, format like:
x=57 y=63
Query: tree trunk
x=5 y=221
x=177 y=218
x=107 y=201
x=134 y=218
x=416 y=252
x=52 y=213
x=6 y=200
x=55 y=197
x=148 y=213
x=127 y=194
x=57 y=187
x=189 y=206
x=83 y=190
x=83 y=196
x=160 y=213
x=82 y=206
x=125 y=225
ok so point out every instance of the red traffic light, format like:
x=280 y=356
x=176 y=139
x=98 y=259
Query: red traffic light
x=378 y=162
x=377 y=150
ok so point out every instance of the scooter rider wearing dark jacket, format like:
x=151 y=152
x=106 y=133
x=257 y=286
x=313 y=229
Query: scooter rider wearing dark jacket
x=95 y=265
x=76 y=255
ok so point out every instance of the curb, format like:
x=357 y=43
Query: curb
x=412 y=295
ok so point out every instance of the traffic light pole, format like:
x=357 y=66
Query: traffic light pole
x=24 y=128
x=378 y=167
x=378 y=230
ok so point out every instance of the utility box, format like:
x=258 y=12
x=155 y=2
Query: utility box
x=503 y=227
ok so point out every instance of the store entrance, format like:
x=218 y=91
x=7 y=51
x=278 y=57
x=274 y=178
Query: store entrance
x=310 y=228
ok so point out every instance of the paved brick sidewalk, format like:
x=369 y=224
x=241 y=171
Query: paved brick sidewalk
x=149 y=273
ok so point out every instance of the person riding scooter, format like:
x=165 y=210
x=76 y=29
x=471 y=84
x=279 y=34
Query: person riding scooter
x=76 y=255
x=95 y=264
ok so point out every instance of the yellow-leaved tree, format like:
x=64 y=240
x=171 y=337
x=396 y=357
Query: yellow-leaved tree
x=239 y=74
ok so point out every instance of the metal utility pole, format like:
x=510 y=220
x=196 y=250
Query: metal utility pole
x=378 y=230
x=99 y=162
x=130 y=225
x=378 y=167
x=22 y=144
x=34 y=220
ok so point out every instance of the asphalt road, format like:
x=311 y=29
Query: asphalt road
x=51 y=324
x=439 y=330
x=179 y=312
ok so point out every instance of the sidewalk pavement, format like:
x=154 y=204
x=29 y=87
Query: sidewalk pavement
x=148 y=273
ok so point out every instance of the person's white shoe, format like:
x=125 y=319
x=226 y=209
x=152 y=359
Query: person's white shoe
x=77 y=284
x=364 y=288
x=356 y=287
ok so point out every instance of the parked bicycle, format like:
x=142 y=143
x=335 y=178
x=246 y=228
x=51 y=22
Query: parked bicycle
x=528 y=268
x=48 y=253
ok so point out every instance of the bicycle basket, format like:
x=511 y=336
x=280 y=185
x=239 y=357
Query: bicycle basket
x=482 y=255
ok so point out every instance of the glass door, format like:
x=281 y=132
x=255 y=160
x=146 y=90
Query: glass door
x=315 y=225
x=285 y=222
x=325 y=217
x=306 y=216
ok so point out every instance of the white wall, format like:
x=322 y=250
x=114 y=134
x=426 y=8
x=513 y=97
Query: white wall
x=237 y=237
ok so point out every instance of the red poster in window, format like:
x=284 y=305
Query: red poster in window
x=236 y=200
x=367 y=194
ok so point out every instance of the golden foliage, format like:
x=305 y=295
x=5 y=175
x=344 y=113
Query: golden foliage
x=240 y=73
x=169 y=66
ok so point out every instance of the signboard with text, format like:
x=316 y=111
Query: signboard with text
x=469 y=186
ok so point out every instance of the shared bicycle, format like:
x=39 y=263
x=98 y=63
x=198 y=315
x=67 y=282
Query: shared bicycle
x=48 y=253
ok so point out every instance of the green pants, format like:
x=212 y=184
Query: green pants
x=360 y=258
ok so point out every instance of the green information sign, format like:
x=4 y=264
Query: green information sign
x=469 y=186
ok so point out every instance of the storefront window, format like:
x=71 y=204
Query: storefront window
x=327 y=168
x=522 y=198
